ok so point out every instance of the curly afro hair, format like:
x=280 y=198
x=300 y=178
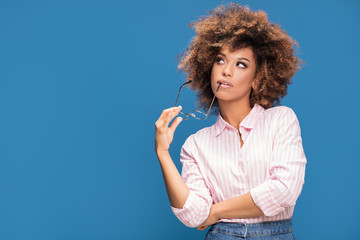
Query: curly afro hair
x=237 y=27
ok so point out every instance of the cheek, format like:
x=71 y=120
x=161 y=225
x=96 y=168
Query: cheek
x=246 y=78
x=212 y=76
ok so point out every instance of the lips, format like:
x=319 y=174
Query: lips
x=225 y=82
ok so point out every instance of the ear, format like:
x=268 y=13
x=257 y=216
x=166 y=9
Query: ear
x=253 y=84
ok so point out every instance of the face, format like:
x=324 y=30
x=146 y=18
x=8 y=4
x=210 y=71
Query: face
x=236 y=73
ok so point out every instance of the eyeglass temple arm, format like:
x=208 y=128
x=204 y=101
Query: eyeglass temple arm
x=180 y=91
x=213 y=100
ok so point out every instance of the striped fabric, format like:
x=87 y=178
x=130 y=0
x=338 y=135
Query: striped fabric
x=270 y=165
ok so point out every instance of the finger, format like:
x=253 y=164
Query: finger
x=175 y=123
x=173 y=112
x=163 y=117
x=165 y=113
x=202 y=228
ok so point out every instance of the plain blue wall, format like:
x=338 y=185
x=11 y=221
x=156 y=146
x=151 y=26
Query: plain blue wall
x=83 y=82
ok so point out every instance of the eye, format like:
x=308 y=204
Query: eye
x=219 y=60
x=241 y=64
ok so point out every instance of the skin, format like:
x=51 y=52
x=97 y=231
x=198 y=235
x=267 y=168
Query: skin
x=238 y=68
x=177 y=190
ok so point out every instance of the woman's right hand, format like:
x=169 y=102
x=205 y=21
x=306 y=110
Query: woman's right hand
x=163 y=133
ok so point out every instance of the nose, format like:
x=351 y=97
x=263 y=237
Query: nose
x=227 y=70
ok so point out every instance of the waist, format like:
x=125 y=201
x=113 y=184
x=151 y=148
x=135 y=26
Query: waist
x=248 y=229
x=284 y=215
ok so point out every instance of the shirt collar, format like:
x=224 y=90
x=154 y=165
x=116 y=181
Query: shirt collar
x=248 y=122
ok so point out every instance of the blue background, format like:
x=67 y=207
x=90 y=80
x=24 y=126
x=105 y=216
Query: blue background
x=83 y=82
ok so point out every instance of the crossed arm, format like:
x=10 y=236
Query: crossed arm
x=238 y=207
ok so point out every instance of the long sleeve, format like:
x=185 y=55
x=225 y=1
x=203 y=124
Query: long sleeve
x=197 y=206
x=287 y=167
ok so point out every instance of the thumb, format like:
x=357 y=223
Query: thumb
x=175 y=123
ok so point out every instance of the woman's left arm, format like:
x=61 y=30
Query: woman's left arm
x=238 y=207
x=284 y=185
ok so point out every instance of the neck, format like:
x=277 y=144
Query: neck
x=234 y=112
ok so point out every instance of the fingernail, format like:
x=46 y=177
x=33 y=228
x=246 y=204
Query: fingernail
x=179 y=106
x=180 y=118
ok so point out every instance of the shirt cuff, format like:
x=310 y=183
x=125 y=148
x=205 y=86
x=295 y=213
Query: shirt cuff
x=263 y=197
x=177 y=211
x=193 y=213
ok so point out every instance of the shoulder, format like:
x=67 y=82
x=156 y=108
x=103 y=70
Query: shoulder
x=280 y=113
x=282 y=120
x=281 y=117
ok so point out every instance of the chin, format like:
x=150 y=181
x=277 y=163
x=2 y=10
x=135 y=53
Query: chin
x=227 y=98
x=223 y=97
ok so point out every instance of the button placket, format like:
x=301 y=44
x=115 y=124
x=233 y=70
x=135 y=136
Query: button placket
x=240 y=163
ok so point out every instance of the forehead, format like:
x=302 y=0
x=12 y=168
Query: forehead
x=236 y=53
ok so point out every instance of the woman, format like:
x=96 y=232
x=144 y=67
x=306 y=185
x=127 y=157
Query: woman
x=242 y=175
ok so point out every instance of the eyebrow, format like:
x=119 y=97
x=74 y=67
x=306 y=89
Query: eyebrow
x=241 y=58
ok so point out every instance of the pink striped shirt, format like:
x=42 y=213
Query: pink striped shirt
x=270 y=165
